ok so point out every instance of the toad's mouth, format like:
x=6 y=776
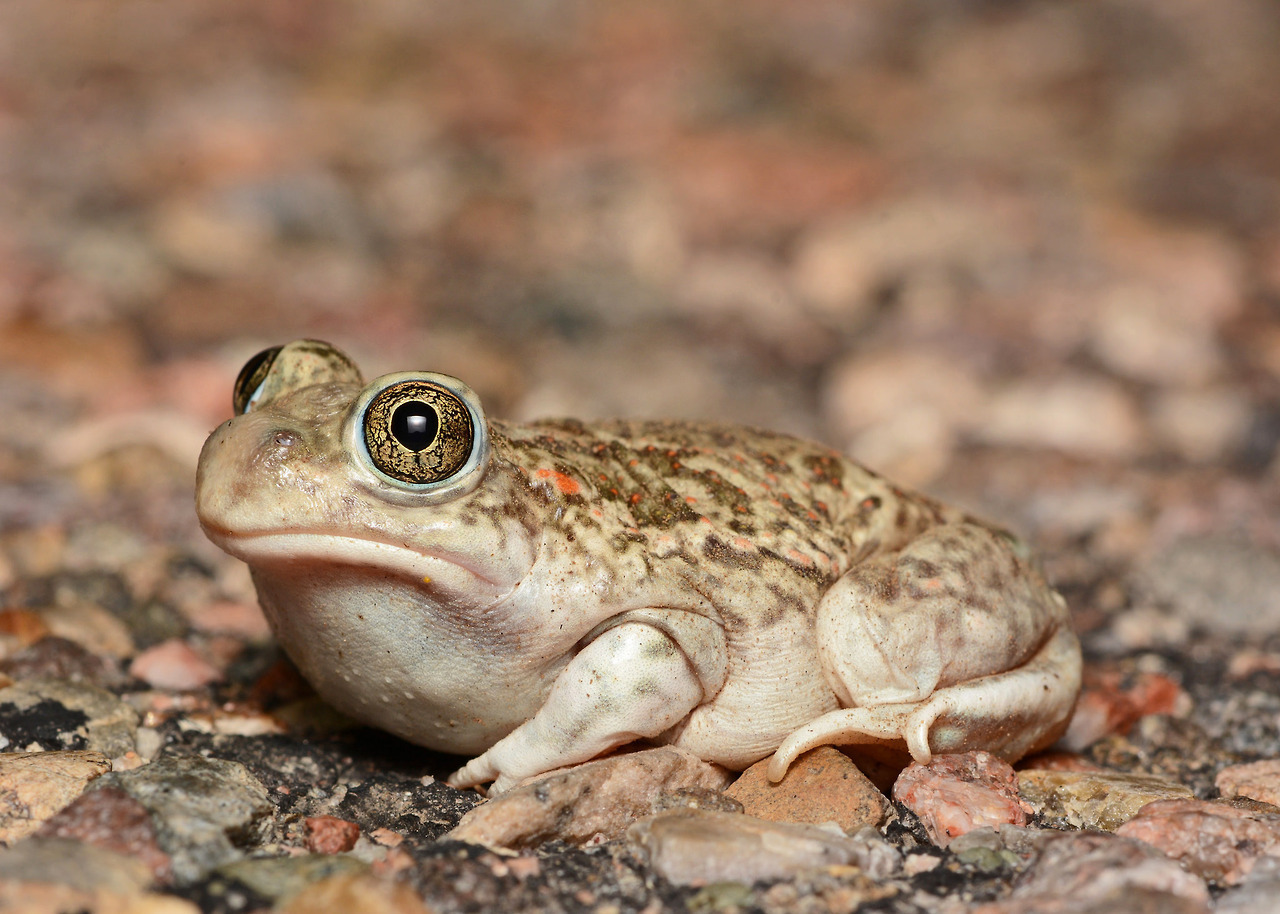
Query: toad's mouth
x=308 y=551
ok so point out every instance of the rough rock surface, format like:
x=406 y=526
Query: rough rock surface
x=1216 y=841
x=1093 y=799
x=954 y=794
x=823 y=785
x=587 y=804
x=699 y=847
x=36 y=785
x=203 y=808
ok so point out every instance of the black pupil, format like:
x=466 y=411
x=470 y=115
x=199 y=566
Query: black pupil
x=414 y=425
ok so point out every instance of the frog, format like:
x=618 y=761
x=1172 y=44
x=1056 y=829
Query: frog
x=535 y=595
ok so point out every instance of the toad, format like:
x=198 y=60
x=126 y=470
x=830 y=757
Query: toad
x=536 y=594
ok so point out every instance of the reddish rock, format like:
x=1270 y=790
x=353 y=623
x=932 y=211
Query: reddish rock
x=1112 y=701
x=823 y=785
x=1216 y=841
x=174 y=664
x=331 y=835
x=1256 y=780
x=111 y=819
x=954 y=794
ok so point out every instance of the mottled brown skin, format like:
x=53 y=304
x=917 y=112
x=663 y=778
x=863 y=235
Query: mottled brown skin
x=579 y=586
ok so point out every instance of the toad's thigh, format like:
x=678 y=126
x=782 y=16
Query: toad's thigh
x=958 y=603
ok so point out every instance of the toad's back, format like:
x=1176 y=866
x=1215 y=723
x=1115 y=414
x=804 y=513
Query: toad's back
x=741 y=510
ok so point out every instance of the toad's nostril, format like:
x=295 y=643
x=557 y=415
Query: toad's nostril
x=285 y=439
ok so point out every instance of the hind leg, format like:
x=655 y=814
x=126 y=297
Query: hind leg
x=956 y=642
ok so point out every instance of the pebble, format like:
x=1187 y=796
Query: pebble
x=1202 y=425
x=840 y=265
x=174 y=664
x=36 y=785
x=231 y=617
x=700 y=847
x=954 y=794
x=1077 y=415
x=57 y=714
x=71 y=865
x=1094 y=799
x=94 y=628
x=1095 y=873
x=902 y=412
x=353 y=893
x=1256 y=893
x=1227 y=583
x=111 y=819
x=1216 y=841
x=1112 y=701
x=588 y=804
x=58 y=658
x=330 y=835
x=823 y=785
x=278 y=878
x=1256 y=780
x=198 y=804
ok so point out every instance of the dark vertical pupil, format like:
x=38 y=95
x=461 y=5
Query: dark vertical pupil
x=414 y=425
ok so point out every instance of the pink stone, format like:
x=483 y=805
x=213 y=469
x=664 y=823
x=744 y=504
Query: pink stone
x=1215 y=841
x=174 y=664
x=954 y=794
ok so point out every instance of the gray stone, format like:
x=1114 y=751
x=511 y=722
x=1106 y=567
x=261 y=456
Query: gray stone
x=59 y=861
x=94 y=718
x=701 y=847
x=204 y=809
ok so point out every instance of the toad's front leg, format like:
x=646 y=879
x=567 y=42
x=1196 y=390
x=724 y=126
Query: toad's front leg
x=631 y=682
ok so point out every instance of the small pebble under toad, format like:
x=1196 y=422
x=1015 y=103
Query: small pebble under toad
x=537 y=594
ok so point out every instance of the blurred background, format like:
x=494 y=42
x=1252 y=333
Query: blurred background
x=1025 y=255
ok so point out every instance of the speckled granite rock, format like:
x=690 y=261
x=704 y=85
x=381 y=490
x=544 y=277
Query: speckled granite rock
x=591 y=803
x=1093 y=799
x=36 y=785
x=1214 y=840
x=204 y=809
x=57 y=714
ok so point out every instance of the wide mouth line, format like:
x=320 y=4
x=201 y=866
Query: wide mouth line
x=284 y=546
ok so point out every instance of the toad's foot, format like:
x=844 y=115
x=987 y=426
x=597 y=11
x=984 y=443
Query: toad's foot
x=1008 y=714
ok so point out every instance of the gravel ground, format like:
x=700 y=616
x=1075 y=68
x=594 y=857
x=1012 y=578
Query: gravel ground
x=1025 y=256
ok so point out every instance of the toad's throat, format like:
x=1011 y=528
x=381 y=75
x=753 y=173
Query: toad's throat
x=421 y=568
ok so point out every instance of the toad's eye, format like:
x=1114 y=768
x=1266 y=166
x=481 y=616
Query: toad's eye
x=252 y=375
x=418 y=432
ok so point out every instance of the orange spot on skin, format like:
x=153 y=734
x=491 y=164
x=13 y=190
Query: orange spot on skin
x=744 y=544
x=562 y=481
x=706 y=520
x=635 y=498
x=800 y=557
x=689 y=499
